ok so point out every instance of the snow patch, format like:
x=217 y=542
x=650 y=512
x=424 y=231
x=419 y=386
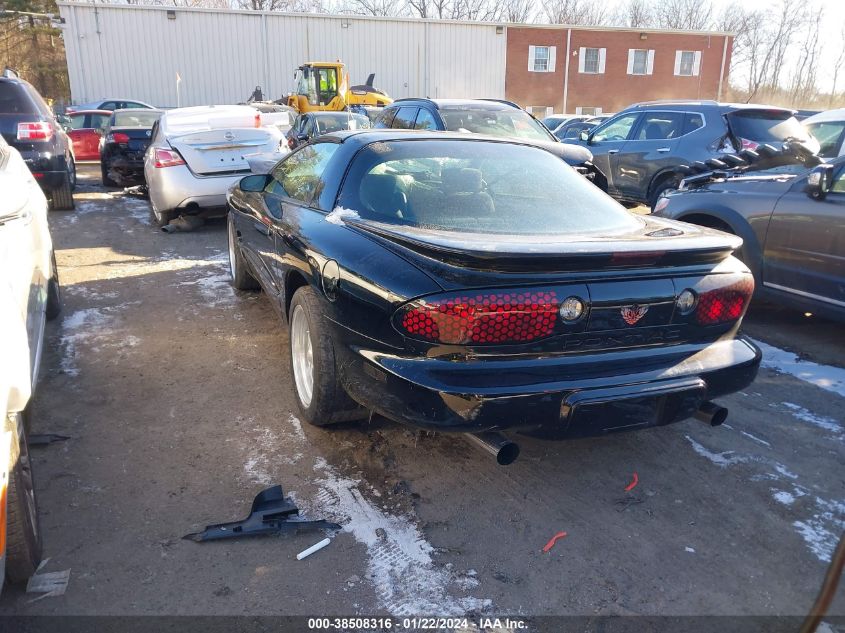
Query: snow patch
x=755 y=438
x=340 y=214
x=824 y=376
x=821 y=532
x=723 y=459
x=828 y=424
x=400 y=565
x=784 y=497
x=690 y=550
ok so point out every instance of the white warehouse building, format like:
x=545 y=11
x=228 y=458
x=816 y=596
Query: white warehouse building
x=131 y=51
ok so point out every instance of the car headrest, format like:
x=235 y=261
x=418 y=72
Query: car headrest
x=380 y=193
x=461 y=180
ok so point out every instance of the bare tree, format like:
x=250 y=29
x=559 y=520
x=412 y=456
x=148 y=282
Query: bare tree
x=838 y=65
x=581 y=12
x=637 y=14
x=802 y=86
x=689 y=15
x=517 y=10
x=371 y=7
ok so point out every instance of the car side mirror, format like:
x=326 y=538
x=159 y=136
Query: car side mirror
x=584 y=136
x=819 y=181
x=302 y=138
x=255 y=183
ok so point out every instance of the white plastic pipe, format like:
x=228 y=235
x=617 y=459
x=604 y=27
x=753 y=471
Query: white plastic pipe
x=314 y=548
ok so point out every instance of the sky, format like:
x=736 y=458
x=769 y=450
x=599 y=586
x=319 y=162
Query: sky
x=830 y=38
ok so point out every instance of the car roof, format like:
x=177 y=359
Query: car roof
x=448 y=104
x=328 y=114
x=827 y=115
x=132 y=110
x=367 y=136
x=677 y=104
x=91 y=111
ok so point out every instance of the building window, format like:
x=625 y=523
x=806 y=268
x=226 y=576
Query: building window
x=540 y=112
x=687 y=63
x=591 y=60
x=640 y=61
x=588 y=110
x=541 y=59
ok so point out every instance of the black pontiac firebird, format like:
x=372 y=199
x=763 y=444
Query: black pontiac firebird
x=465 y=283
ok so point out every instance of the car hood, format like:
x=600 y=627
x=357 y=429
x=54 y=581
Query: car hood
x=571 y=154
x=768 y=184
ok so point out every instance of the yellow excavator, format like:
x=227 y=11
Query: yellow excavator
x=325 y=86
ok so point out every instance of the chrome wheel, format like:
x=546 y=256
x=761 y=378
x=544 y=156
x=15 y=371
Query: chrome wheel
x=231 y=248
x=302 y=356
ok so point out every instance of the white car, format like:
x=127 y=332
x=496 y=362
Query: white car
x=29 y=295
x=197 y=153
x=829 y=128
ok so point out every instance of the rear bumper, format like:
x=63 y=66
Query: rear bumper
x=557 y=397
x=124 y=171
x=178 y=188
x=49 y=170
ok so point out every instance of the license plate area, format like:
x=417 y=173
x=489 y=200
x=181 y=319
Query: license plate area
x=599 y=411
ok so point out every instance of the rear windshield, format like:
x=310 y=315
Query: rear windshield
x=830 y=135
x=343 y=121
x=477 y=187
x=135 y=118
x=765 y=126
x=506 y=123
x=15 y=100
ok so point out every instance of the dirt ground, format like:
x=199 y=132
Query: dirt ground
x=175 y=392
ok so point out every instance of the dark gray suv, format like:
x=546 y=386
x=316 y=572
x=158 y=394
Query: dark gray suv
x=643 y=149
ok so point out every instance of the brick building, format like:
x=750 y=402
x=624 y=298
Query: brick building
x=585 y=70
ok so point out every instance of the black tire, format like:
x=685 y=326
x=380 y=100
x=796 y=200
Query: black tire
x=72 y=173
x=54 y=292
x=329 y=403
x=667 y=183
x=104 y=176
x=62 y=198
x=23 y=535
x=242 y=279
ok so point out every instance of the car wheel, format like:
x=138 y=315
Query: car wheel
x=23 y=536
x=321 y=399
x=161 y=218
x=72 y=173
x=241 y=277
x=62 y=198
x=54 y=292
x=104 y=176
x=668 y=183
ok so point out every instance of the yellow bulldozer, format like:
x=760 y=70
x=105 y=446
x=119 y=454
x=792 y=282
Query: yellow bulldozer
x=325 y=86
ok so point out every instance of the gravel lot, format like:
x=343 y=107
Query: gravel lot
x=175 y=391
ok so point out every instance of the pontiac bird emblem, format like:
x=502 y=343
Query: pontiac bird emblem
x=632 y=314
x=229 y=136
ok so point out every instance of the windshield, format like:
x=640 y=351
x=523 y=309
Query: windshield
x=510 y=123
x=341 y=121
x=830 y=136
x=766 y=126
x=470 y=186
x=135 y=118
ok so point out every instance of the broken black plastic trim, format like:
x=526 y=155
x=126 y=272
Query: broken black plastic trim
x=271 y=514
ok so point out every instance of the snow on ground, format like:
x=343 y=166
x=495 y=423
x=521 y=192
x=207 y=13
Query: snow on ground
x=824 y=376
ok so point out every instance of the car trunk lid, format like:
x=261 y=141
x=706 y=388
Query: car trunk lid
x=221 y=151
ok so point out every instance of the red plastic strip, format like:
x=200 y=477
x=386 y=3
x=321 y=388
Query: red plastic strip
x=633 y=484
x=552 y=541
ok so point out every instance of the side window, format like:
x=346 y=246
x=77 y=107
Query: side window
x=425 y=120
x=838 y=183
x=109 y=105
x=134 y=104
x=299 y=175
x=385 y=119
x=405 y=118
x=659 y=126
x=616 y=129
x=692 y=122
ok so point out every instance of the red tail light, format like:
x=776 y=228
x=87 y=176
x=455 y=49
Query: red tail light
x=500 y=317
x=117 y=137
x=167 y=158
x=37 y=131
x=723 y=305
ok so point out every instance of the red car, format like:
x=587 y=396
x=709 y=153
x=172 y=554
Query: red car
x=86 y=129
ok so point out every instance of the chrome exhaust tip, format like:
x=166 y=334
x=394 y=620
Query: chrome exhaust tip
x=497 y=445
x=712 y=414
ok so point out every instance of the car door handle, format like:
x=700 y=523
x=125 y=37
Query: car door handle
x=262 y=228
x=662 y=150
x=613 y=151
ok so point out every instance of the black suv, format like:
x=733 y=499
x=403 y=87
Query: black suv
x=643 y=149
x=492 y=117
x=28 y=125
